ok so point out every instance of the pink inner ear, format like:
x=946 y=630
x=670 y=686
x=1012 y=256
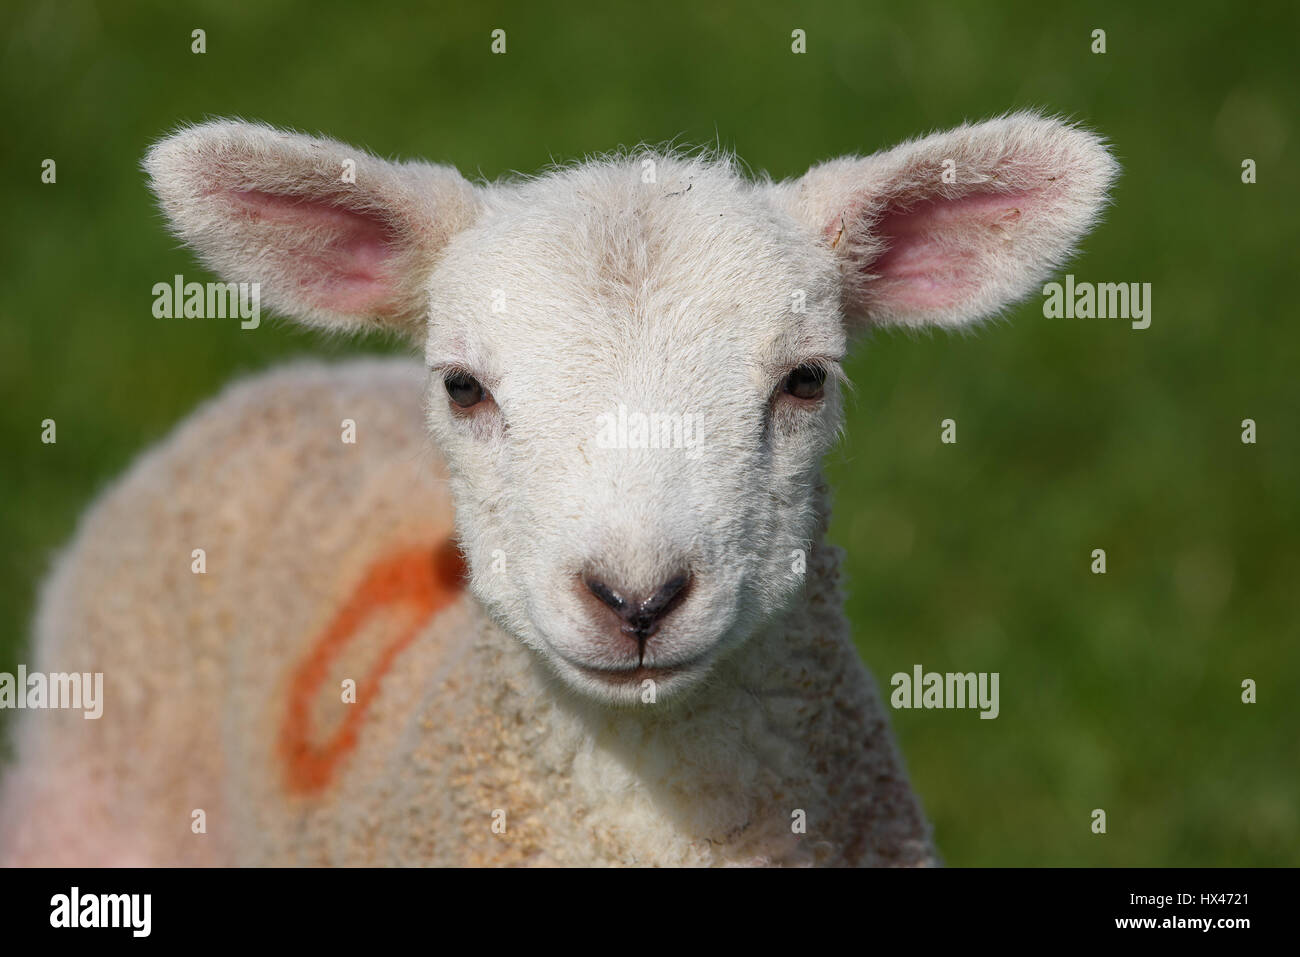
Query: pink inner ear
x=344 y=259
x=937 y=250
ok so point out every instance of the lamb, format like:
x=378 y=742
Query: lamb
x=520 y=642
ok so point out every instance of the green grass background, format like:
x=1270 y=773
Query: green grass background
x=1120 y=691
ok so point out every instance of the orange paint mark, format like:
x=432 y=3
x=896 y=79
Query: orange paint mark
x=423 y=581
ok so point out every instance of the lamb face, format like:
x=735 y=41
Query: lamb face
x=659 y=365
x=634 y=362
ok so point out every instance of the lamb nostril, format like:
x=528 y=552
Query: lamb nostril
x=665 y=599
x=606 y=594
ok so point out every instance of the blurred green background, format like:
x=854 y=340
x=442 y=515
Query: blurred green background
x=1118 y=691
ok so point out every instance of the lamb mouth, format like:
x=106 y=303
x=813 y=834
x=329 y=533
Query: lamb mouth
x=638 y=673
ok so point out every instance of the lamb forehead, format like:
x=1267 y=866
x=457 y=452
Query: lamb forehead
x=599 y=250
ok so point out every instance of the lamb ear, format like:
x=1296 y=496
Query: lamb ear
x=279 y=209
x=956 y=226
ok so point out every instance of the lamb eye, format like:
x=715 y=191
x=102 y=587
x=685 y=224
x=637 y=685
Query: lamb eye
x=464 y=389
x=806 y=382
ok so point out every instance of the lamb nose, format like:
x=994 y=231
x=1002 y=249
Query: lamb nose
x=642 y=617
